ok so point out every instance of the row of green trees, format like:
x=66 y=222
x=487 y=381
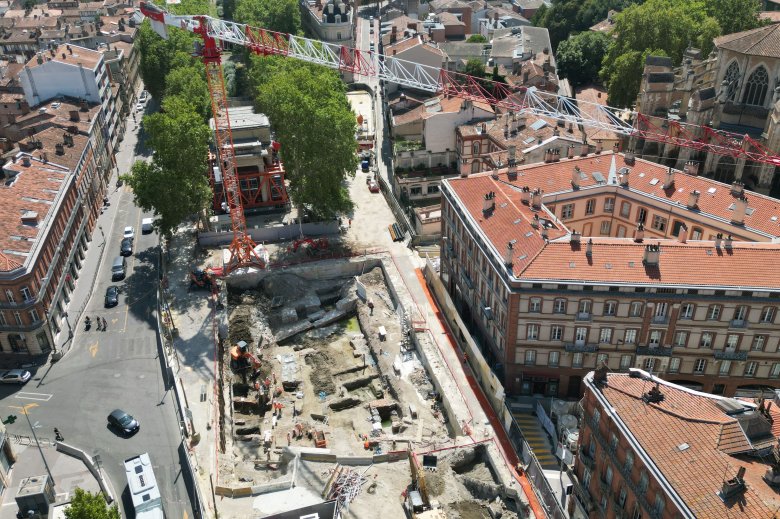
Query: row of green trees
x=651 y=27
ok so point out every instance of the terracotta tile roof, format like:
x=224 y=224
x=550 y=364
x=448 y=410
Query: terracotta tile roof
x=71 y=155
x=619 y=261
x=682 y=436
x=771 y=16
x=57 y=113
x=764 y=41
x=73 y=55
x=592 y=96
x=33 y=189
x=431 y=108
x=409 y=43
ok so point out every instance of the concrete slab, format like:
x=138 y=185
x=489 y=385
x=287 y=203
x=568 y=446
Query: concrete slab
x=277 y=502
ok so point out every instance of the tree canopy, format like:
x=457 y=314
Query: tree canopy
x=579 y=57
x=86 y=505
x=565 y=17
x=277 y=15
x=315 y=125
x=157 y=55
x=475 y=67
x=476 y=38
x=189 y=82
x=173 y=184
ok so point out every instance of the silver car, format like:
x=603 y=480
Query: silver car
x=15 y=376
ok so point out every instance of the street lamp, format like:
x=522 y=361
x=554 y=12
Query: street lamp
x=23 y=409
x=70 y=330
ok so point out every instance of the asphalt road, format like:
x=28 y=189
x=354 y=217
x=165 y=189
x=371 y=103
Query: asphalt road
x=117 y=368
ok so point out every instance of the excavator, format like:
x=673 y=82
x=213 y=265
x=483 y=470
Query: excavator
x=241 y=358
x=418 y=502
x=311 y=245
x=201 y=279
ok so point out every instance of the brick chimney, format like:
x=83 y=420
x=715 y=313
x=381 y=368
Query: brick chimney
x=393 y=34
x=682 y=236
x=693 y=199
x=624 y=177
x=737 y=188
x=575 y=237
x=26 y=161
x=525 y=195
x=639 y=233
x=536 y=198
x=589 y=248
x=570 y=153
x=629 y=157
x=508 y=253
x=652 y=255
x=691 y=168
x=728 y=242
x=74 y=115
x=718 y=240
x=584 y=149
x=575 y=177
x=669 y=180
x=512 y=171
x=599 y=146
x=615 y=148
x=59 y=149
x=740 y=208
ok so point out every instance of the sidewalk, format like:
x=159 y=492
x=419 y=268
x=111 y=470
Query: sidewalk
x=68 y=473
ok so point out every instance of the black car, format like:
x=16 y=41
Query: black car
x=127 y=247
x=112 y=296
x=123 y=422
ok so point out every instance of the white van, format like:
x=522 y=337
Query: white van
x=147 y=225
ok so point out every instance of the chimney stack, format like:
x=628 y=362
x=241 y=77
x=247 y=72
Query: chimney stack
x=556 y=155
x=682 y=236
x=584 y=149
x=59 y=149
x=571 y=151
x=521 y=121
x=693 y=199
x=718 y=239
x=508 y=254
x=669 y=181
x=624 y=177
x=74 y=115
x=599 y=146
x=26 y=161
x=740 y=208
x=536 y=198
x=589 y=248
x=575 y=237
x=691 y=168
x=629 y=157
x=652 y=255
x=728 y=242
x=525 y=195
x=488 y=203
x=639 y=233
x=535 y=222
x=737 y=188
x=575 y=177
x=512 y=171
x=616 y=148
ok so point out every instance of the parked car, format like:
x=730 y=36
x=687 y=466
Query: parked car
x=373 y=186
x=126 y=249
x=15 y=376
x=112 y=296
x=123 y=422
x=139 y=107
x=129 y=232
x=144 y=96
x=147 y=225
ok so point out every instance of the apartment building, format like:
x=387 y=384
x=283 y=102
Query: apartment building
x=649 y=448
x=52 y=194
x=329 y=20
x=75 y=72
x=564 y=266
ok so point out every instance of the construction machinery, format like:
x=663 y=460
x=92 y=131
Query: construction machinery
x=202 y=279
x=417 y=499
x=517 y=99
x=241 y=358
x=311 y=245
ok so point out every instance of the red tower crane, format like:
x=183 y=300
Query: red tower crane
x=215 y=32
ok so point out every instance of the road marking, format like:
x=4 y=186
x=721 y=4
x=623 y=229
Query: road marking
x=41 y=397
x=185 y=516
x=93 y=349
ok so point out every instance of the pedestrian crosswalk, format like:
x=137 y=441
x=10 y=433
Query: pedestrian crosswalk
x=136 y=347
x=537 y=439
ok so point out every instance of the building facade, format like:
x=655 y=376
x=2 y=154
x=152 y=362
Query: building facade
x=330 y=21
x=649 y=448
x=556 y=268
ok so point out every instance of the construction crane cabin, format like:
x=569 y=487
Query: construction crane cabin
x=214 y=32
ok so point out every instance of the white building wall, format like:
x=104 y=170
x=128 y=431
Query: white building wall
x=439 y=132
x=53 y=79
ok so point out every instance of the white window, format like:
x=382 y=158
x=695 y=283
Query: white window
x=732 y=341
x=674 y=365
x=580 y=335
x=530 y=357
x=725 y=367
x=556 y=333
x=659 y=505
x=700 y=366
x=609 y=204
x=655 y=337
x=750 y=368
x=636 y=309
x=713 y=313
x=586 y=475
x=590 y=206
x=26 y=294
x=606 y=227
x=686 y=311
x=768 y=314
x=475 y=148
x=18 y=318
x=567 y=211
x=584 y=307
x=3 y=322
x=554 y=359
x=643 y=481
x=605 y=336
x=532 y=333
x=602 y=359
x=706 y=340
x=659 y=223
x=576 y=361
x=740 y=313
x=559 y=306
x=630 y=337
x=535 y=305
x=680 y=338
x=775 y=371
x=34 y=316
x=10 y=296
x=758 y=343
x=625 y=361
x=625 y=209
x=649 y=364
x=610 y=308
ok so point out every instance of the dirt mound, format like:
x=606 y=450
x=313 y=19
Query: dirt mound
x=240 y=326
x=288 y=286
x=321 y=376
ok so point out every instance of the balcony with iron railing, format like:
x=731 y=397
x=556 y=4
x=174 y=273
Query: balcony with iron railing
x=660 y=319
x=654 y=351
x=739 y=324
x=730 y=355
x=586 y=458
x=581 y=347
x=583 y=316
